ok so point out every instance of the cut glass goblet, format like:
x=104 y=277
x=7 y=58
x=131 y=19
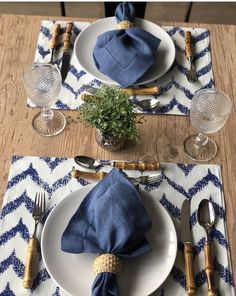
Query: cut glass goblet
x=209 y=111
x=42 y=83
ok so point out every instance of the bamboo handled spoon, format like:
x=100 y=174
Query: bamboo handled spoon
x=206 y=218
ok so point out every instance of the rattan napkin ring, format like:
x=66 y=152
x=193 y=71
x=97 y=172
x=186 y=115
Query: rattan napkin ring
x=125 y=25
x=107 y=263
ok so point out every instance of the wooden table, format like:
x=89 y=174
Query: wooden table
x=160 y=135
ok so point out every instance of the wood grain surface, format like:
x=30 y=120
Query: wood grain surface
x=160 y=135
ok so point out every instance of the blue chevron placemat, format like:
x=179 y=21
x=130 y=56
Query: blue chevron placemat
x=176 y=91
x=29 y=175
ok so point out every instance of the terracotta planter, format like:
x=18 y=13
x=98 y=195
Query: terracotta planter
x=108 y=142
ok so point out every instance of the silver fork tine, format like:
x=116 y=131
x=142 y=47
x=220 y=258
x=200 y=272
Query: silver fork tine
x=35 y=202
x=154 y=177
x=152 y=180
x=41 y=203
x=43 y=198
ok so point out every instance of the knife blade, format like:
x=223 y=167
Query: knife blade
x=53 y=41
x=66 y=51
x=186 y=238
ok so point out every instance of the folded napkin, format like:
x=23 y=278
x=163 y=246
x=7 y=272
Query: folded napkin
x=127 y=53
x=111 y=219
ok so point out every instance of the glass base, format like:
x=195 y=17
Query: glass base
x=49 y=127
x=200 y=153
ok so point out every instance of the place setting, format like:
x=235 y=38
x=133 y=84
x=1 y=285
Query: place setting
x=83 y=225
x=65 y=266
x=163 y=77
x=158 y=68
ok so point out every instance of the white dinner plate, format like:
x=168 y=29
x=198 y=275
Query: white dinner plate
x=86 y=40
x=140 y=276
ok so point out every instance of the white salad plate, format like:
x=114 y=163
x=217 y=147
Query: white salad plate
x=86 y=40
x=140 y=276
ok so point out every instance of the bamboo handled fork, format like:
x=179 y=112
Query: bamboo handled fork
x=38 y=213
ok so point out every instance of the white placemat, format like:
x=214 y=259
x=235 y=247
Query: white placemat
x=29 y=175
x=176 y=91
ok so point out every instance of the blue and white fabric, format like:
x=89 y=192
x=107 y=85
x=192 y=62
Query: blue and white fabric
x=176 y=91
x=29 y=175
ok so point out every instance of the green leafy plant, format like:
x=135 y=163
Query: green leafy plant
x=111 y=113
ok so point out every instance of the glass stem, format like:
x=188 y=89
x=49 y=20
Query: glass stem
x=47 y=114
x=200 y=140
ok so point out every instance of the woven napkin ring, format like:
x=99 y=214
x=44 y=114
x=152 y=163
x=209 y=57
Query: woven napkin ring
x=107 y=263
x=125 y=25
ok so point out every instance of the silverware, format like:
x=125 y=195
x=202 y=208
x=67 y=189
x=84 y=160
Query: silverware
x=90 y=163
x=53 y=41
x=147 y=104
x=147 y=180
x=143 y=180
x=186 y=238
x=129 y=91
x=144 y=104
x=38 y=213
x=206 y=218
x=66 y=51
x=191 y=73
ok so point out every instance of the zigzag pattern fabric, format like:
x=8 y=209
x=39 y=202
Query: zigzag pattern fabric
x=176 y=91
x=29 y=175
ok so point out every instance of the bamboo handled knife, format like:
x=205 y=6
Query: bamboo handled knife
x=187 y=241
x=66 y=51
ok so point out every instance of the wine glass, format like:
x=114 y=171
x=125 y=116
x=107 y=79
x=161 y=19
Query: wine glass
x=42 y=83
x=209 y=111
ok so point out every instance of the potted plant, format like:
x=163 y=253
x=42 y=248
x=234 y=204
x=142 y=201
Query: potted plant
x=111 y=113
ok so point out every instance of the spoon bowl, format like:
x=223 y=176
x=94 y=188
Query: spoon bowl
x=206 y=214
x=147 y=104
x=87 y=162
x=206 y=218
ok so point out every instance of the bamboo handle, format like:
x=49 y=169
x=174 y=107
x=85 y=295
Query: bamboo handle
x=188 y=46
x=142 y=166
x=28 y=275
x=188 y=258
x=128 y=91
x=211 y=293
x=67 y=35
x=87 y=175
x=55 y=33
x=142 y=91
x=87 y=97
x=209 y=270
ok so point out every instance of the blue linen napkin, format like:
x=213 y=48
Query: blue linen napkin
x=126 y=54
x=110 y=219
